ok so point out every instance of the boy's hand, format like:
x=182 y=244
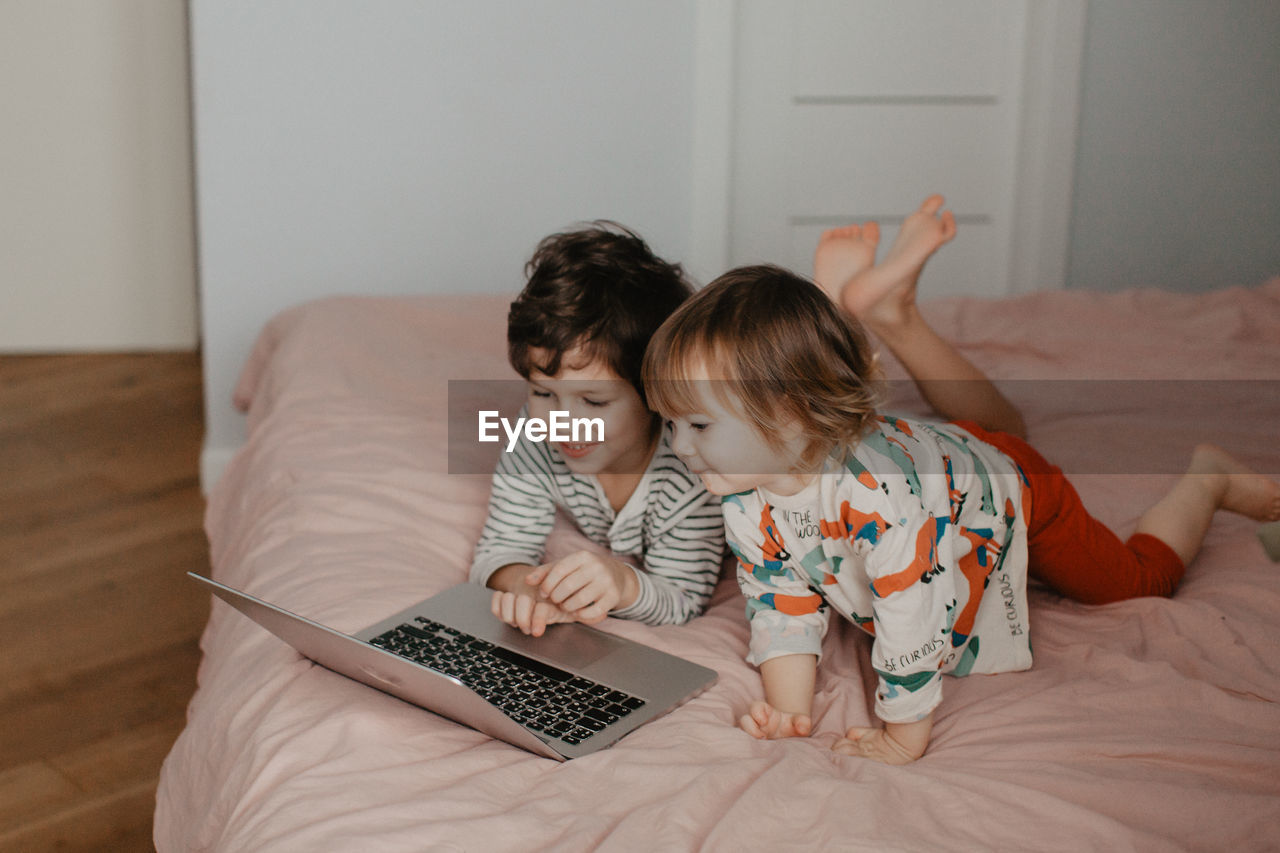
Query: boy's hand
x=586 y=585
x=764 y=721
x=876 y=744
x=526 y=612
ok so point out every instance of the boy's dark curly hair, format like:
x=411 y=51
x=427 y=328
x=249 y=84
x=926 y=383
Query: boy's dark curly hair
x=600 y=289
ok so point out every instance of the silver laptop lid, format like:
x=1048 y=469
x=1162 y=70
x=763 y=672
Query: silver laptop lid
x=663 y=681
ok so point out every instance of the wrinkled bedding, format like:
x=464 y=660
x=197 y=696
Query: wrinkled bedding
x=1150 y=724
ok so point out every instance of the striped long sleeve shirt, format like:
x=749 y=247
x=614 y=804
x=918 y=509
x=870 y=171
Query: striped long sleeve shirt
x=670 y=526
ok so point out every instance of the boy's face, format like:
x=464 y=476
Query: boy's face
x=587 y=388
x=724 y=448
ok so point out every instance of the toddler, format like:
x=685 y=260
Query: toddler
x=577 y=334
x=923 y=534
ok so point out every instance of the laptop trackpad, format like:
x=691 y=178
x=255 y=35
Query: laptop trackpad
x=570 y=646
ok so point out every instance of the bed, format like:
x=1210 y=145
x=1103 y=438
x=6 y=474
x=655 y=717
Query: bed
x=1152 y=724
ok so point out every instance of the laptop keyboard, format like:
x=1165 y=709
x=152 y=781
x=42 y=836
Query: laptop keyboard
x=536 y=695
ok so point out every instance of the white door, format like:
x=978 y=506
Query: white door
x=848 y=110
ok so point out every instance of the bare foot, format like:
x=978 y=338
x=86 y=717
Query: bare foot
x=885 y=293
x=842 y=253
x=1243 y=490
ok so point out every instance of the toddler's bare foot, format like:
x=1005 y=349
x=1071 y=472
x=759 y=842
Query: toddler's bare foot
x=842 y=253
x=885 y=294
x=1242 y=490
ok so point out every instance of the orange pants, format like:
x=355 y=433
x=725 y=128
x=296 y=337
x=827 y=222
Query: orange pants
x=1070 y=550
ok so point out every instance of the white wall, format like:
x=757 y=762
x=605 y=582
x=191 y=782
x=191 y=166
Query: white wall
x=398 y=146
x=1178 y=163
x=415 y=146
x=96 y=233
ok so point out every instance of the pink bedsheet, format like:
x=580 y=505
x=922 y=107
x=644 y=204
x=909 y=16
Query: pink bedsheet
x=1151 y=724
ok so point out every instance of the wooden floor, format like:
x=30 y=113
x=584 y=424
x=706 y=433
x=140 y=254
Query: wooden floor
x=100 y=516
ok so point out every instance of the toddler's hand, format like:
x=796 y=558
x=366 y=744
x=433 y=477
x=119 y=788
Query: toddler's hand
x=526 y=612
x=584 y=584
x=765 y=721
x=873 y=743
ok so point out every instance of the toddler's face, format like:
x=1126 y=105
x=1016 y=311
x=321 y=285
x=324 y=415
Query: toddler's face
x=724 y=448
x=586 y=388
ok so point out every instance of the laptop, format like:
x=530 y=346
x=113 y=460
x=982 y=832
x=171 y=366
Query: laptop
x=571 y=692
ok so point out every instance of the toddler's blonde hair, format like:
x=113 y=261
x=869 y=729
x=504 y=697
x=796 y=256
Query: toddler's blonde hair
x=780 y=353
